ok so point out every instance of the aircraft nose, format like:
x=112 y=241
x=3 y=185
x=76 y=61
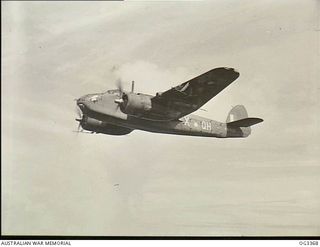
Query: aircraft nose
x=81 y=102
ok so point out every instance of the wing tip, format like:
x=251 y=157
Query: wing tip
x=229 y=71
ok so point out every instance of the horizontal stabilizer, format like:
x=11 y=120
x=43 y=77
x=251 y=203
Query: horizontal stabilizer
x=246 y=122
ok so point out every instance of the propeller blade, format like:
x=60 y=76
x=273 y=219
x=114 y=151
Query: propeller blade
x=119 y=101
x=79 y=127
x=119 y=86
x=79 y=112
x=79 y=119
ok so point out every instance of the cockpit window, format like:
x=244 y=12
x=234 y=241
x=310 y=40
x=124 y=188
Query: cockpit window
x=95 y=98
x=114 y=91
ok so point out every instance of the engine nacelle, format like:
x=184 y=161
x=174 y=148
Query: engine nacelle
x=136 y=104
x=97 y=126
x=91 y=124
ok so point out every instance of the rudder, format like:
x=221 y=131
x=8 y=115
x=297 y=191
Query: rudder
x=238 y=123
x=237 y=114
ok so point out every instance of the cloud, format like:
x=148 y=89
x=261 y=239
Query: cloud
x=149 y=77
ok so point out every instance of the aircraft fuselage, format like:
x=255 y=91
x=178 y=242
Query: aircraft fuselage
x=103 y=115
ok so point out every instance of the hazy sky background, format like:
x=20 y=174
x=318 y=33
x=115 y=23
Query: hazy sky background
x=57 y=182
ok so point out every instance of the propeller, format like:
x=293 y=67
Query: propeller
x=79 y=112
x=119 y=86
x=119 y=100
x=79 y=119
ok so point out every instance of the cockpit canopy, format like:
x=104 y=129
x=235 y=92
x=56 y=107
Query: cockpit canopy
x=113 y=91
x=97 y=96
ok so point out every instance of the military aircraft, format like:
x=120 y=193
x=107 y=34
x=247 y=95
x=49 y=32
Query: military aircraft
x=117 y=112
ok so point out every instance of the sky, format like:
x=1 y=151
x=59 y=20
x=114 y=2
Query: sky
x=57 y=182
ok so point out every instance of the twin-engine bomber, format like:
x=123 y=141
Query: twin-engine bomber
x=117 y=112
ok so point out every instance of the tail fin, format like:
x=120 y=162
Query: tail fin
x=238 y=122
x=238 y=112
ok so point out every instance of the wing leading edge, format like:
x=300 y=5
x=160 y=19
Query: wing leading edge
x=191 y=95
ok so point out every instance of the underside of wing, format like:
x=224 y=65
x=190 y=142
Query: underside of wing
x=191 y=95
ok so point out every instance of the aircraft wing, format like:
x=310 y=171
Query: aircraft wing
x=191 y=95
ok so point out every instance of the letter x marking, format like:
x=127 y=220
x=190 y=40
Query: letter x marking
x=187 y=120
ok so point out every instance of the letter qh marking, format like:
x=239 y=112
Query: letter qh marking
x=206 y=125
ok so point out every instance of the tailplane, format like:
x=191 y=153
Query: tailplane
x=238 y=122
x=246 y=122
